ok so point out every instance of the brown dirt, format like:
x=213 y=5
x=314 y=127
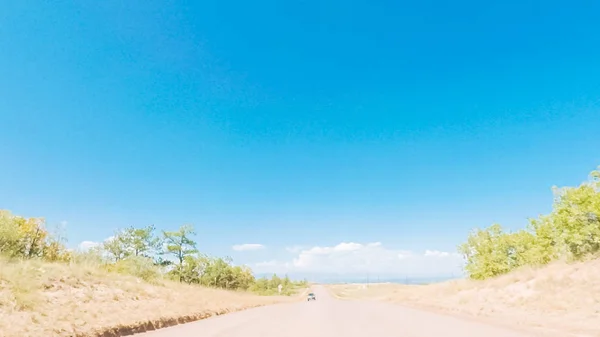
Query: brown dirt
x=560 y=297
x=43 y=299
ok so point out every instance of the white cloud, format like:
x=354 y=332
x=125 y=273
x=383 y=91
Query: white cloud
x=436 y=253
x=294 y=249
x=248 y=246
x=87 y=245
x=353 y=258
x=403 y=254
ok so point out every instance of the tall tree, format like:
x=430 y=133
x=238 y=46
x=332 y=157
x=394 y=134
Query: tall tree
x=179 y=244
x=116 y=246
x=141 y=241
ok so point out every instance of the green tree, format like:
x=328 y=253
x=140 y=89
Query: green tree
x=9 y=234
x=193 y=268
x=484 y=253
x=571 y=231
x=22 y=237
x=243 y=277
x=179 y=244
x=576 y=219
x=218 y=273
x=33 y=236
x=547 y=244
x=116 y=246
x=141 y=241
x=132 y=242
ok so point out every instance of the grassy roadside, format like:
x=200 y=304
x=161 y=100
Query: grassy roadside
x=56 y=299
x=559 y=297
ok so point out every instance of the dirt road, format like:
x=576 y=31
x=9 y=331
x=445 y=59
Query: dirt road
x=328 y=317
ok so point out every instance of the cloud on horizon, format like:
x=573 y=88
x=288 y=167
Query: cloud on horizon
x=247 y=247
x=351 y=258
x=294 y=249
x=87 y=245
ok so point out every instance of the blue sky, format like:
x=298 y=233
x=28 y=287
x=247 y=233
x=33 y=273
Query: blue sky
x=382 y=128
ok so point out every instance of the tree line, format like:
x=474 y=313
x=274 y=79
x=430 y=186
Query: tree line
x=142 y=252
x=570 y=232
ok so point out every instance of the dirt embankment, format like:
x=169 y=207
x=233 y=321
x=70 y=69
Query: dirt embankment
x=42 y=299
x=560 y=297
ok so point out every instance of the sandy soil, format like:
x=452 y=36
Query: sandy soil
x=41 y=299
x=560 y=297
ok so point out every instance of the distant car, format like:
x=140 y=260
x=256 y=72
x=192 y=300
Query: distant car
x=311 y=296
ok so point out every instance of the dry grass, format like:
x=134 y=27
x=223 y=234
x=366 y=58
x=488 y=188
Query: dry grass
x=44 y=299
x=561 y=297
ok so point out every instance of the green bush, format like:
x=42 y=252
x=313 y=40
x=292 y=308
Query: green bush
x=268 y=287
x=28 y=238
x=570 y=232
x=138 y=266
x=138 y=252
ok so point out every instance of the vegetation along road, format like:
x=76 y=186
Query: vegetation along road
x=329 y=317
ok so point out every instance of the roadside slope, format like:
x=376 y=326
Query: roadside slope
x=53 y=299
x=563 y=297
